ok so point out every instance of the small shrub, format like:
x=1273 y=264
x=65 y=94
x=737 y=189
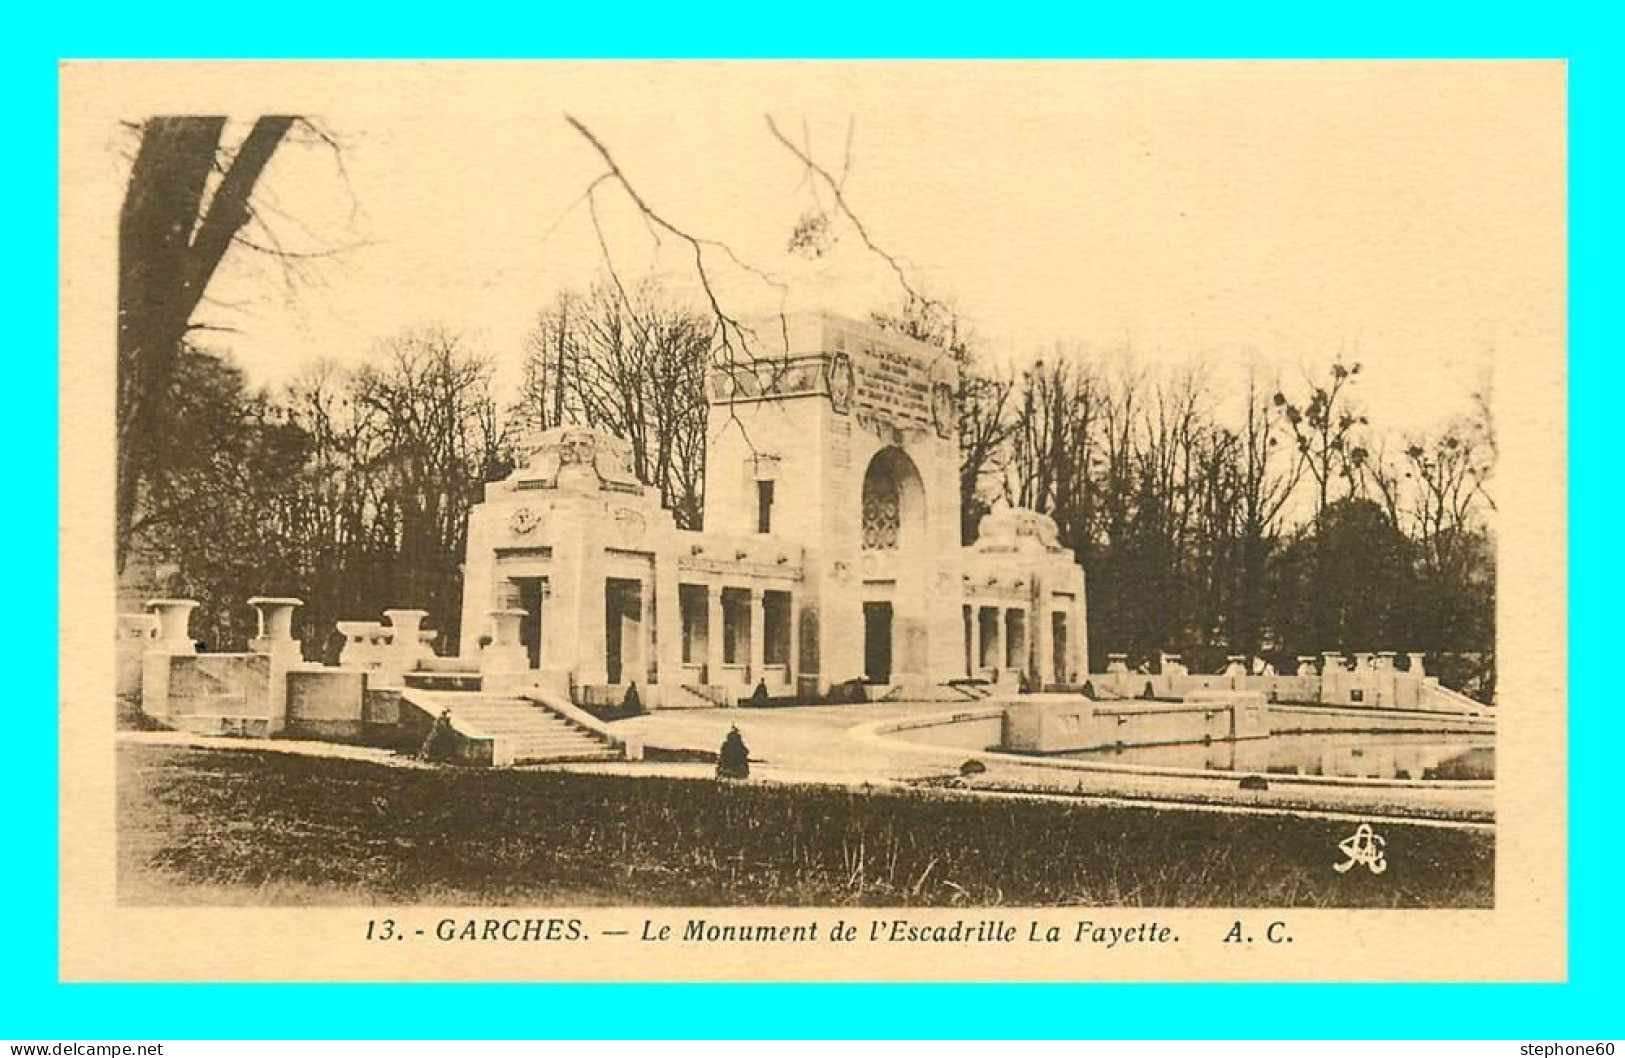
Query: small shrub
x=972 y=767
x=1254 y=782
x=733 y=760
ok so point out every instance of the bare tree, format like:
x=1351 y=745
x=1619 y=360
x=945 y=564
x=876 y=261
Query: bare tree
x=1325 y=426
x=1265 y=479
x=191 y=198
x=629 y=361
x=428 y=422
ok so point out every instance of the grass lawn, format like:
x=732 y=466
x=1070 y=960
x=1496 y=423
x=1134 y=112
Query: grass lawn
x=236 y=827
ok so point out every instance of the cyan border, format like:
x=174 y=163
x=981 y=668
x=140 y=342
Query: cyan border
x=33 y=1005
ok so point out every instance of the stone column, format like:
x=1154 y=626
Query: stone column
x=793 y=667
x=276 y=641
x=573 y=644
x=174 y=625
x=591 y=661
x=976 y=655
x=645 y=661
x=668 y=627
x=1043 y=634
x=713 y=634
x=758 y=641
x=1077 y=638
x=996 y=648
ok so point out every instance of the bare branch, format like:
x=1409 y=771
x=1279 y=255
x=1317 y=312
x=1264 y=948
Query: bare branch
x=845 y=209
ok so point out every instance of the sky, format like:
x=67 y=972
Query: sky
x=1274 y=216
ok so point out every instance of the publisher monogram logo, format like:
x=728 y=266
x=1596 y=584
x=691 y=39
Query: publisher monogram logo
x=1363 y=847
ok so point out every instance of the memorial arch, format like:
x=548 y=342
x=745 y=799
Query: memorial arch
x=830 y=553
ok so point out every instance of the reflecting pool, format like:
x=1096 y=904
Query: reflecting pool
x=1343 y=755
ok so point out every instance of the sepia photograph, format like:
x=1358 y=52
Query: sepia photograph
x=949 y=501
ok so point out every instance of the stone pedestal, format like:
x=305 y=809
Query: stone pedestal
x=276 y=641
x=174 y=637
x=504 y=663
x=1418 y=670
x=1117 y=672
x=406 y=644
x=505 y=652
x=1333 y=678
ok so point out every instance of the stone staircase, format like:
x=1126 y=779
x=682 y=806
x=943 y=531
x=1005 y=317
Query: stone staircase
x=698 y=696
x=500 y=730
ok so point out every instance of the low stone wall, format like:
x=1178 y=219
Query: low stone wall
x=1305 y=719
x=1065 y=724
x=1369 y=688
x=327 y=704
x=208 y=693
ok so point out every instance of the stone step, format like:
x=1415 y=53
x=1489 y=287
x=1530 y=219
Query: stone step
x=522 y=730
x=442 y=681
x=606 y=754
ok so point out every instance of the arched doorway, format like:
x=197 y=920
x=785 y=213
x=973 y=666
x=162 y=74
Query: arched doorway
x=893 y=502
x=893 y=528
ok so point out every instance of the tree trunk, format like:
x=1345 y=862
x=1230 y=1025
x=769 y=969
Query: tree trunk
x=169 y=248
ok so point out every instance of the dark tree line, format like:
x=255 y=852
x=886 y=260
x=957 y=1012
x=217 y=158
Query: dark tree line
x=349 y=488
